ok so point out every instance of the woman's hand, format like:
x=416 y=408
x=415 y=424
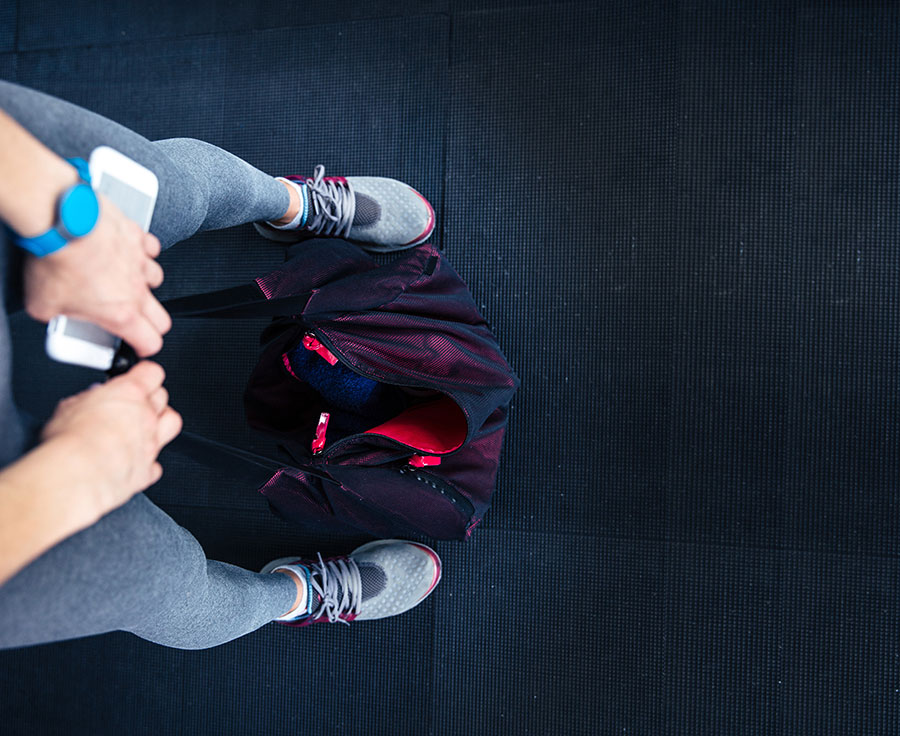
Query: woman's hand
x=99 y=450
x=113 y=434
x=104 y=278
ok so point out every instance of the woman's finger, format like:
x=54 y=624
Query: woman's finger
x=156 y=472
x=151 y=245
x=159 y=399
x=156 y=314
x=169 y=427
x=153 y=273
x=142 y=335
x=149 y=376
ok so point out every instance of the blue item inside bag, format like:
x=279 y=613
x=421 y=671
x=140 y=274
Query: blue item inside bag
x=357 y=403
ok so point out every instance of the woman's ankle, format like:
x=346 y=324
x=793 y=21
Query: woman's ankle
x=293 y=208
x=302 y=593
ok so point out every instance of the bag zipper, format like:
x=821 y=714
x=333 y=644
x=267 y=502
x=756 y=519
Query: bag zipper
x=311 y=343
x=321 y=428
x=456 y=499
x=445 y=489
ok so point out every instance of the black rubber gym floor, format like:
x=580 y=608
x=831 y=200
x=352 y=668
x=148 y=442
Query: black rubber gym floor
x=683 y=221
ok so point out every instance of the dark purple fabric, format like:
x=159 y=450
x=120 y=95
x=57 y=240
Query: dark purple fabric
x=411 y=323
x=331 y=263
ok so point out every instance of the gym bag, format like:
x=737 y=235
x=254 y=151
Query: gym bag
x=384 y=386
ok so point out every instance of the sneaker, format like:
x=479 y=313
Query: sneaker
x=377 y=214
x=379 y=579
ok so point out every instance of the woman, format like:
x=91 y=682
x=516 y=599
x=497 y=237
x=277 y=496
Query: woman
x=82 y=550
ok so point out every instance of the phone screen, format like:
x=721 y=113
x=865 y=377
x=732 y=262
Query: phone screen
x=135 y=204
x=90 y=332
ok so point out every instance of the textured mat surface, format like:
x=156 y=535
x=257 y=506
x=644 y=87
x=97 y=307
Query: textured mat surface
x=8 y=67
x=8 y=26
x=683 y=221
x=55 y=23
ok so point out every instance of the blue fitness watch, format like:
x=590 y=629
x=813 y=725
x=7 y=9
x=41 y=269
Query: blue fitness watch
x=77 y=214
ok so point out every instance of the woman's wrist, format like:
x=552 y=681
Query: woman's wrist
x=45 y=497
x=42 y=198
x=57 y=476
x=32 y=178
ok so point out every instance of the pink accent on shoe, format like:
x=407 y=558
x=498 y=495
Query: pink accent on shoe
x=309 y=621
x=304 y=179
x=429 y=226
x=437 y=567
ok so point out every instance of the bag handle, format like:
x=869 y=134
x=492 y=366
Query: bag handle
x=245 y=300
x=242 y=465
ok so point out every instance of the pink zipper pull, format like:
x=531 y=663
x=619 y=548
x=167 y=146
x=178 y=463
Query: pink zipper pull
x=311 y=343
x=321 y=428
x=423 y=461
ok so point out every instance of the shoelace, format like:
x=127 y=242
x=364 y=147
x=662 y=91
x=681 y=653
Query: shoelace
x=333 y=206
x=336 y=576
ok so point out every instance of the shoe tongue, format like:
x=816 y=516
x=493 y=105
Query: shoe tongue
x=371 y=576
x=368 y=211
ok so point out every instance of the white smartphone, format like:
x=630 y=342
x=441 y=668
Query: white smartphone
x=133 y=189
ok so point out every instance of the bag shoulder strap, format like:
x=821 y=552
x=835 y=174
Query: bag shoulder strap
x=240 y=464
x=246 y=300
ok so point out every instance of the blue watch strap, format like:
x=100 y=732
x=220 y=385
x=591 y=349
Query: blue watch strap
x=52 y=240
x=81 y=166
x=42 y=245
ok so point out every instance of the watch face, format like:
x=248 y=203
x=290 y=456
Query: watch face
x=78 y=210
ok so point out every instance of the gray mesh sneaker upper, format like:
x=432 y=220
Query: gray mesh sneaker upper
x=332 y=206
x=411 y=571
x=379 y=214
x=373 y=579
x=381 y=578
x=368 y=211
x=341 y=586
x=335 y=208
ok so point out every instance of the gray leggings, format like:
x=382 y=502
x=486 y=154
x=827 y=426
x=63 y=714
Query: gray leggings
x=136 y=569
